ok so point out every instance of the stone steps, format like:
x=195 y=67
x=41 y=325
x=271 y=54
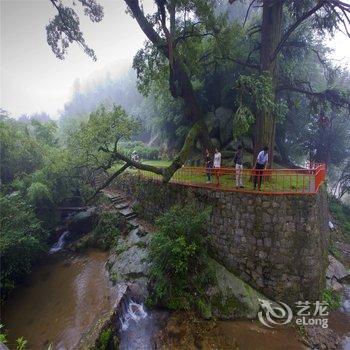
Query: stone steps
x=119 y=202
x=121 y=206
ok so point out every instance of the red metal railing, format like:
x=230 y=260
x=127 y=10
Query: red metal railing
x=268 y=181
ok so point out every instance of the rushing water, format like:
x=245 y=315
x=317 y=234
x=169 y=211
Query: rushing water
x=59 y=245
x=138 y=326
x=59 y=301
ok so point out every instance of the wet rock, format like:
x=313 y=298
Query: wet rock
x=108 y=321
x=232 y=298
x=82 y=222
x=321 y=338
x=129 y=261
x=132 y=263
x=335 y=274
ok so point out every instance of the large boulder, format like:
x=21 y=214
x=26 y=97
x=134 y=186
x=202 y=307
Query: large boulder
x=129 y=262
x=335 y=274
x=231 y=298
x=82 y=222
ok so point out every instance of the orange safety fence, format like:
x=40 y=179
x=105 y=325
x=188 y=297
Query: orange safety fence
x=267 y=181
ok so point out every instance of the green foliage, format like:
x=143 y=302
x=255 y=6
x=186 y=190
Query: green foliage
x=144 y=152
x=341 y=212
x=331 y=297
x=180 y=271
x=20 y=153
x=255 y=94
x=44 y=133
x=106 y=341
x=3 y=336
x=106 y=231
x=95 y=141
x=21 y=343
x=22 y=239
x=38 y=193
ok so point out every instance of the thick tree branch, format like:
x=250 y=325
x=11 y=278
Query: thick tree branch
x=294 y=26
x=108 y=181
x=242 y=63
x=332 y=96
x=247 y=13
x=146 y=26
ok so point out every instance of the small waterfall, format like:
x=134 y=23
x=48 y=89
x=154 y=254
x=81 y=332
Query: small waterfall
x=137 y=326
x=59 y=244
x=134 y=312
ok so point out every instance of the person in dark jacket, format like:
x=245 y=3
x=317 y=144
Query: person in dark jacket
x=208 y=164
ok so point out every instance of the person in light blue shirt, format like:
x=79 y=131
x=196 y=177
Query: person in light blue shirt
x=261 y=163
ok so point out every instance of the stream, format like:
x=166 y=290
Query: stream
x=138 y=326
x=59 y=300
x=67 y=292
x=340 y=320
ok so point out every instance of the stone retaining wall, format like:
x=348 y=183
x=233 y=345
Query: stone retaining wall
x=277 y=244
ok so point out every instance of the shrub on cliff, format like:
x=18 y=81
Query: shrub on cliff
x=180 y=271
x=106 y=231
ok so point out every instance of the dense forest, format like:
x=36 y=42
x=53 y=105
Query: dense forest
x=211 y=75
x=218 y=49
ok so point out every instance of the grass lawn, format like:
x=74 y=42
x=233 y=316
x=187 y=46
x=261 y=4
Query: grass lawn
x=158 y=163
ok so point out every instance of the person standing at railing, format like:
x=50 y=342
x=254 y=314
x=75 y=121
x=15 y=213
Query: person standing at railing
x=238 y=160
x=217 y=165
x=260 y=165
x=208 y=164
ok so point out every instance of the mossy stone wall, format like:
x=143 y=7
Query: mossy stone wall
x=277 y=244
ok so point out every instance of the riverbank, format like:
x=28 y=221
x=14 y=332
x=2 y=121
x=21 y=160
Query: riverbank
x=63 y=301
x=59 y=301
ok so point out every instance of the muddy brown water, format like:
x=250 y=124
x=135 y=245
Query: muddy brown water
x=59 y=301
x=184 y=333
x=67 y=292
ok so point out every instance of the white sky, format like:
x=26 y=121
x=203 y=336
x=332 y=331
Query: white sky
x=34 y=80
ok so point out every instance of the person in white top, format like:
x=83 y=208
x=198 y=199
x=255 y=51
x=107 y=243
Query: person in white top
x=217 y=165
x=260 y=165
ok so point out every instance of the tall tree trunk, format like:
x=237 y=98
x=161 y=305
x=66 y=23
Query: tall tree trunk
x=265 y=126
x=179 y=82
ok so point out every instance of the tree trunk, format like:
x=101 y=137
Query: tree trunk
x=179 y=82
x=265 y=126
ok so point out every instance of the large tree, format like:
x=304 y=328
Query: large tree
x=180 y=34
x=280 y=20
x=188 y=40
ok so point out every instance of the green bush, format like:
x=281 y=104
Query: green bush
x=180 y=271
x=106 y=231
x=332 y=297
x=40 y=197
x=341 y=213
x=21 y=241
x=105 y=340
x=144 y=152
x=20 y=342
